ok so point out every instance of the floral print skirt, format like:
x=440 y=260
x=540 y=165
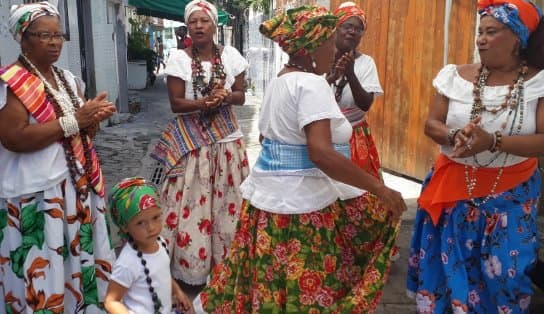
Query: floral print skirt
x=363 y=150
x=55 y=252
x=476 y=259
x=335 y=260
x=201 y=209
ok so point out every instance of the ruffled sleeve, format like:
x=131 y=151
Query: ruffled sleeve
x=233 y=61
x=534 y=87
x=179 y=65
x=3 y=94
x=448 y=83
x=316 y=101
x=367 y=74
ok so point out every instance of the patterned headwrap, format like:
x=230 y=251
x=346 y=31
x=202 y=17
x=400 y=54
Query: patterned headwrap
x=129 y=197
x=521 y=16
x=299 y=31
x=21 y=16
x=347 y=10
x=201 y=5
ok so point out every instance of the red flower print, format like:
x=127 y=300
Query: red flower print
x=306 y=299
x=245 y=162
x=280 y=252
x=473 y=214
x=183 y=239
x=205 y=226
x=186 y=212
x=304 y=219
x=293 y=246
x=230 y=180
x=232 y=209
x=328 y=221
x=310 y=282
x=527 y=207
x=269 y=273
x=184 y=263
x=202 y=200
x=219 y=194
x=146 y=202
x=491 y=223
x=172 y=220
x=281 y=221
x=179 y=195
x=204 y=297
x=316 y=220
x=325 y=297
x=372 y=275
x=229 y=155
x=329 y=264
x=279 y=297
x=202 y=253
x=349 y=231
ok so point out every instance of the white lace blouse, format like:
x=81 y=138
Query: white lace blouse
x=459 y=91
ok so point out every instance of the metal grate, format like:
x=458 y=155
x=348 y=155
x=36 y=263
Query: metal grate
x=157 y=176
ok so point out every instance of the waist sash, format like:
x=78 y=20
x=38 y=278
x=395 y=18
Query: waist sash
x=447 y=184
x=276 y=156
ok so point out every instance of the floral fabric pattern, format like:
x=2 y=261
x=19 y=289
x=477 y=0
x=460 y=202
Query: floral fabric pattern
x=201 y=208
x=335 y=260
x=363 y=150
x=55 y=252
x=476 y=259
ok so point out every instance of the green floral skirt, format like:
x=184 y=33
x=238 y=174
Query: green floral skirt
x=335 y=260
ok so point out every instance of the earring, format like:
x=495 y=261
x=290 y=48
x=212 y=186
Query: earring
x=314 y=64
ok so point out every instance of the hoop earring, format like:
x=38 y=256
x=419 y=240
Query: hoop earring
x=314 y=64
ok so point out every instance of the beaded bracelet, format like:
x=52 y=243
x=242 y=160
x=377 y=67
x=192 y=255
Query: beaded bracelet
x=69 y=125
x=451 y=135
x=497 y=142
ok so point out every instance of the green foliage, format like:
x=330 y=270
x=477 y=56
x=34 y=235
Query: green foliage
x=138 y=45
x=257 y=5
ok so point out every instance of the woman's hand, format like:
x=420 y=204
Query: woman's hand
x=471 y=140
x=181 y=302
x=94 y=111
x=392 y=200
x=342 y=65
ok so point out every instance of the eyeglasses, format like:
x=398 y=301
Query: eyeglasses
x=47 y=37
x=351 y=28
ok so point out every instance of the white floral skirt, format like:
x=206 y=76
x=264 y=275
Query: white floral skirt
x=201 y=209
x=55 y=252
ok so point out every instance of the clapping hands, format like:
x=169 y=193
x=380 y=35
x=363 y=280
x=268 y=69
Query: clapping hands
x=94 y=111
x=217 y=96
x=344 y=65
x=471 y=140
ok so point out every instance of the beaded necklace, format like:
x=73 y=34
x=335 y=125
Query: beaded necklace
x=296 y=66
x=65 y=102
x=157 y=304
x=514 y=103
x=199 y=81
x=339 y=88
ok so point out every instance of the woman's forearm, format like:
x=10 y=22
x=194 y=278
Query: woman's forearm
x=236 y=97
x=33 y=137
x=182 y=105
x=363 y=99
x=523 y=145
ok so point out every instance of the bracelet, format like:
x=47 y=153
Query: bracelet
x=451 y=136
x=493 y=143
x=497 y=143
x=69 y=125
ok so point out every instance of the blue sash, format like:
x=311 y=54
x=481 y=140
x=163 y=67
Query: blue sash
x=276 y=156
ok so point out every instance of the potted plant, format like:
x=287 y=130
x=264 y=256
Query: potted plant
x=140 y=58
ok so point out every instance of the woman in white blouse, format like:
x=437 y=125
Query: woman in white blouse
x=475 y=236
x=299 y=245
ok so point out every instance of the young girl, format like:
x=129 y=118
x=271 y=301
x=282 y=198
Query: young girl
x=141 y=280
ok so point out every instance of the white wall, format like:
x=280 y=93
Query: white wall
x=10 y=49
x=105 y=57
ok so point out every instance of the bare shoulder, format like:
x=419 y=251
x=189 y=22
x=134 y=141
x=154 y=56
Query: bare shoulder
x=468 y=71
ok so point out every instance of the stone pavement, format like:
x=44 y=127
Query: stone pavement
x=124 y=150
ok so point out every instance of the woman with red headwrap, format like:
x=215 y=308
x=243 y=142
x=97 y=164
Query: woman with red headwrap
x=301 y=244
x=475 y=235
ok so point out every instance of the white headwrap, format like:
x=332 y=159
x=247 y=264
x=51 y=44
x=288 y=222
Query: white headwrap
x=21 y=16
x=201 y=5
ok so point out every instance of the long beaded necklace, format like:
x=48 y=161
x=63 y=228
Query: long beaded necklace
x=514 y=103
x=63 y=106
x=339 y=88
x=157 y=304
x=199 y=81
x=296 y=66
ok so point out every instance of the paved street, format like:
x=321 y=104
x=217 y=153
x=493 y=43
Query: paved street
x=124 y=151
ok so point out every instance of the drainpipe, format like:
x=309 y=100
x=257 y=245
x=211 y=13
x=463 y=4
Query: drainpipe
x=447 y=15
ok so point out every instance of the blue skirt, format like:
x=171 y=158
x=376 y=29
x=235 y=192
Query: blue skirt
x=476 y=259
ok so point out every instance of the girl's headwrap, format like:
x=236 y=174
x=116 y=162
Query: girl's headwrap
x=347 y=10
x=299 y=31
x=129 y=197
x=201 y=5
x=521 y=16
x=21 y=16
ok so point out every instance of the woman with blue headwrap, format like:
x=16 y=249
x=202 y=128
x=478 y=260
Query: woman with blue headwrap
x=55 y=251
x=475 y=235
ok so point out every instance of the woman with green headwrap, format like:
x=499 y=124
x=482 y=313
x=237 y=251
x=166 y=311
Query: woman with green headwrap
x=141 y=281
x=302 y=243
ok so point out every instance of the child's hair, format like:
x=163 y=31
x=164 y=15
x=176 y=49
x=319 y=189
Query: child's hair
x=128 y=198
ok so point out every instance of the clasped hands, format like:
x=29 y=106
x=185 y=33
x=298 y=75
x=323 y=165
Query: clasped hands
x=217 y=97
x=344 y=65
x=471 y=140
